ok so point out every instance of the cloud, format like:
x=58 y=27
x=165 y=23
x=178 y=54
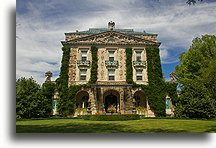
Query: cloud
x=43 y=24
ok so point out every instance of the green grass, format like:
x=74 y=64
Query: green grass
x=131 y=126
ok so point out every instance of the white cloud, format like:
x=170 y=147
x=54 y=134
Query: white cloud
x=42 y=27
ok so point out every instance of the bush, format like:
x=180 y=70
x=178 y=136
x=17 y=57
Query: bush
x=111 y=117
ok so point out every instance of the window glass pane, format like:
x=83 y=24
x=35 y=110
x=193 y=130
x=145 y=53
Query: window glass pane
x=82 y=77
x=139 y=77
x=139 y=72
x=82 y=71
x=111 y=53
x=84 y=58
x=111 y=58
x=111 y=72
x=138 y=56
x=168 y=105
x=111 y=77
x=84 y=53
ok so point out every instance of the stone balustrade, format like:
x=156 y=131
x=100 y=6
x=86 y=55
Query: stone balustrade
x=111 y=64
x=83 y=63
x=139 y=63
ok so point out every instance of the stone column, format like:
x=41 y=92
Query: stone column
x=100 y=98
x=121 y=99
x=128 y=101
x=92 y=99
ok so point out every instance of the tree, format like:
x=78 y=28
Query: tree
x=196 y=76
x=28 y=98
x=189 y=2
x=47 y=91
x=195 y=102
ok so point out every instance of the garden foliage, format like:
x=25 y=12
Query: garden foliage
x=196 y=77
x=31 y=100
x=111 y=117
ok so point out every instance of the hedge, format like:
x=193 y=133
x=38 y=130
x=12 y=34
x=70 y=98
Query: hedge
x=119 y=117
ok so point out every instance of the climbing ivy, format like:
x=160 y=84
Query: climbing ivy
x=62 y=82
x=63 y=77
x=67 y=94
x=129 y=69
x=156 y=89
x=94 y=65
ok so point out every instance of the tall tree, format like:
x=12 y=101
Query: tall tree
x=48 y=89
x=27 y=98
x=196 y=76
x=192 y=1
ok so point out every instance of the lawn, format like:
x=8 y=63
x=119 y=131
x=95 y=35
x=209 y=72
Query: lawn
x=130 y=126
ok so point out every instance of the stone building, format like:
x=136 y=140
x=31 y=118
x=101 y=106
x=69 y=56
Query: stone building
x=111 y=88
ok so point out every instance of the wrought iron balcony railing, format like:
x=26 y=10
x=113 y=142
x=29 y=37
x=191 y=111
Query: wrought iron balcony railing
x=83 y=63
x=139 y=63
x=111 y=64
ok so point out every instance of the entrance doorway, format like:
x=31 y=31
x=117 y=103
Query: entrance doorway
x=110 y=100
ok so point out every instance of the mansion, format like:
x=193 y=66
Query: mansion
x=111 y=88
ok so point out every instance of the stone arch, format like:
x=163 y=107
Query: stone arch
x=82 y=99
x=139 y=98
x=111 y=97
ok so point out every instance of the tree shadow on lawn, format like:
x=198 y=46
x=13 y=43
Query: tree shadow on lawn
x=211 y=130
x=89 y=128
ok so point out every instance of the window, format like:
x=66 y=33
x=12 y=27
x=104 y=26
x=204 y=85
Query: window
x=138 y=55
x=139 y=74
x=111 y=74
x=168 y=104
x=83 y=55
x=83 y=74
x=111 y=55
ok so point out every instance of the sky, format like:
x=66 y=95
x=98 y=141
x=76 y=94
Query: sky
x=41 y=26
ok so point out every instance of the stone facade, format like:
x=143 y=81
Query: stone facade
x=111 y=88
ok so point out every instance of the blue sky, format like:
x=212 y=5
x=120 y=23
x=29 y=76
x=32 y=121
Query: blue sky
x=41 y=26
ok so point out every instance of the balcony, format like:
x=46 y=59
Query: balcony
x=139 y=64
x=111 y=64
x=81 y=63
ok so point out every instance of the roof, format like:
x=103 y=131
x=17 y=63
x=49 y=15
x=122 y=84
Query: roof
x=98 y=38
x=100 y=30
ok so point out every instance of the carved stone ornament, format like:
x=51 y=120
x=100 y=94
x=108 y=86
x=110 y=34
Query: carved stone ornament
x=110 y=37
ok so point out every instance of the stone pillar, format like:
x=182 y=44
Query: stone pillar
x=92 y=99
x=121 y=99
x=100 y=99
x=128 y=101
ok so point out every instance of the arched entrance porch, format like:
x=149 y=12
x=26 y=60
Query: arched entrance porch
x=111 y=99
x=82 y=99
x=140 y=103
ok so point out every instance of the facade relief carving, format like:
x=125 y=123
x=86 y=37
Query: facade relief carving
x=111 y=37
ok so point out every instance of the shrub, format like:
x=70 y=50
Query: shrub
x=111 y=117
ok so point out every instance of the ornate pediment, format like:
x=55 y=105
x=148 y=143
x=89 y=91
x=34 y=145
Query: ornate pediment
x=110 y=37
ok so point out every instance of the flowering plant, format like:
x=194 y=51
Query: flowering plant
x=141 y=110
x=111 y=109
x=80 y=109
